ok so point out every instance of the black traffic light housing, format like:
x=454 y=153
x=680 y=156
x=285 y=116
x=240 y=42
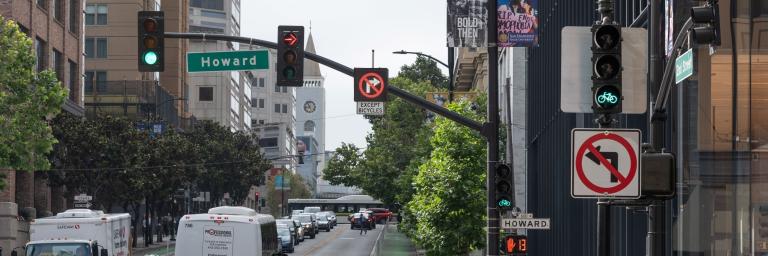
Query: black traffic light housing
x=606 y=69
x=151 y=40
x=658 y=175
x=290 y=56
x=504 y=181
x=707 y=24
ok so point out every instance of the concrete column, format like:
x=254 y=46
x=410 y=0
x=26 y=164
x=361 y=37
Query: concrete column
x=9 y=226
x=25 y=194
x=519 y=85
x=8 y=194
x=42 y=195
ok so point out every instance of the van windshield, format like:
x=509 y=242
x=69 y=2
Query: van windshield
x=304 y=218
x=311 y=209
x=63 y=249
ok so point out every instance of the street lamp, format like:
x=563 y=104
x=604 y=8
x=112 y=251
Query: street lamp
x=449 y=66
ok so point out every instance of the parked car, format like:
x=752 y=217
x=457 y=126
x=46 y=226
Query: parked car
x=307 y=221
x=323 y=222
x=292 y=227
x=332 y=217
x=286 y=238
x=353 y=220
x=380 y=215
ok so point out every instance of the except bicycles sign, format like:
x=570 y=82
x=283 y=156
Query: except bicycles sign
x=371 y=84
x=605 y=163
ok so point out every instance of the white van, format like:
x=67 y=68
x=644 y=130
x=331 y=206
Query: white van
x=227 y=231
x=311 y=209
x=80 y=232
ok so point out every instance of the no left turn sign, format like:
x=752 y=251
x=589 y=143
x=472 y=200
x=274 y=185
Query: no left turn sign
x=371 y=84
x=605 y=163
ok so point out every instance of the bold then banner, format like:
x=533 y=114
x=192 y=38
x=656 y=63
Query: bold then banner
x=467 y=23
x=518 y=25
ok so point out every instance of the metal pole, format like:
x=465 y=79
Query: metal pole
x=492 y=131
x=508 y=154
x=656 y=237
x=450 y=73
x=605 y=7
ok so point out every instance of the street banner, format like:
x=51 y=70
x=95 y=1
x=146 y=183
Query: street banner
x=467 y=23
x=518 y=23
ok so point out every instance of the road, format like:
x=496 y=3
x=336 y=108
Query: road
x=341 y=241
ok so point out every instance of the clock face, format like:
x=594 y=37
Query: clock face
x=309 y=106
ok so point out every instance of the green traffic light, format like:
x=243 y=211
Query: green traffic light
x=289 y=72
x=607 y=97
x=150 y=58
x=504 y=202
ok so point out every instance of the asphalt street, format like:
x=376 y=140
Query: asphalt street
x=341 y=241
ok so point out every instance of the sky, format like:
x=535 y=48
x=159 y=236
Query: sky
x=346 y=31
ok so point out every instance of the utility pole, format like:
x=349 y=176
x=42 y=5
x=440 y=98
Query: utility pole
x=656 y=237
x=491 y=130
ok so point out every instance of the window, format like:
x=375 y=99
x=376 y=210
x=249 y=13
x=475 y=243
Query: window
x=95 y=77
x=96 y=14
x=42 y=4
x=284 y=89
x=208 y=4
x=58 y=64
x=285 y=108
x=205 y=94
x=257 y=103
x=40 y=54
x=261 y=121
x=261 y=82
x=74 y=22
x=73 y=74
x=309 y=126
x=261 y=103
x=213 y=14
x=277 y=108
x=268 y=142
x=58 y=10
x=95 y=47
x=277 y=88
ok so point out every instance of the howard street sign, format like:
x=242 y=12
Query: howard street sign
x=605 y=163
x=371 y=84
x=227 y=61
x=684 y=66
x=370 y=108
x=83 y=197
x=522 y=223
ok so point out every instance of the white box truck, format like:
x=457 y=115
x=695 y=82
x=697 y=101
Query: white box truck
x=227 y=231
x=80 y=232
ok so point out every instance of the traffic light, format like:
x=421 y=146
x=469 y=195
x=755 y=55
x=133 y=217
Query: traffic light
x=514 y=244
x=606 y=69
x=504 y=192
x=151 y=41
x=290 y=56
x=658 y=175
x=707 y=24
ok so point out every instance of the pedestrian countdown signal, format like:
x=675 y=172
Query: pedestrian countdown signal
x=514 y=245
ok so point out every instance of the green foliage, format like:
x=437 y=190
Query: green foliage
x=112 y=160
x=297 y=190
x=447 y=213
x=27 y=98
x=424 y=69
x=341 y=167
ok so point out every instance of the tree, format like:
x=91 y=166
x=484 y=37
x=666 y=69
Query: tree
x=424 y=69
x=447 y=212
x=27 y=99
x=275 y=197
x=342 y=165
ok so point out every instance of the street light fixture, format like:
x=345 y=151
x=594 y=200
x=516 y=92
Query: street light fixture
x=450 y=67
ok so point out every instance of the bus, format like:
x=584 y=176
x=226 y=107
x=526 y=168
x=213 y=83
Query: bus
x=342 y=205
x=227 y=231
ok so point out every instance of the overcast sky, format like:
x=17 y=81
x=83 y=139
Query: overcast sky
x=346 y=31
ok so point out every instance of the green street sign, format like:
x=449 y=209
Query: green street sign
x=227 y=61
x=684 y=66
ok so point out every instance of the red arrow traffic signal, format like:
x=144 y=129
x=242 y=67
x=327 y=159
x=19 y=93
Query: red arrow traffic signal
x=290 y=39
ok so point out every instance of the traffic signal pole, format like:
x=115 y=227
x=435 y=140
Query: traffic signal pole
x=605 y=8
x=656 y=238
x=492 y=133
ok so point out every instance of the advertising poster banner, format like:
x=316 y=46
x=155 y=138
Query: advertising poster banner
x=467 y=23
x=218 y=240
x=518 y=25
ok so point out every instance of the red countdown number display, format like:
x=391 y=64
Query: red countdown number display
x=514 y=245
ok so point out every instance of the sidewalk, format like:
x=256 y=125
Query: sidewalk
x=395 y=243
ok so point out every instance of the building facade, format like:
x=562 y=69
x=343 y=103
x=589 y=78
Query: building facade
x=223 y=97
